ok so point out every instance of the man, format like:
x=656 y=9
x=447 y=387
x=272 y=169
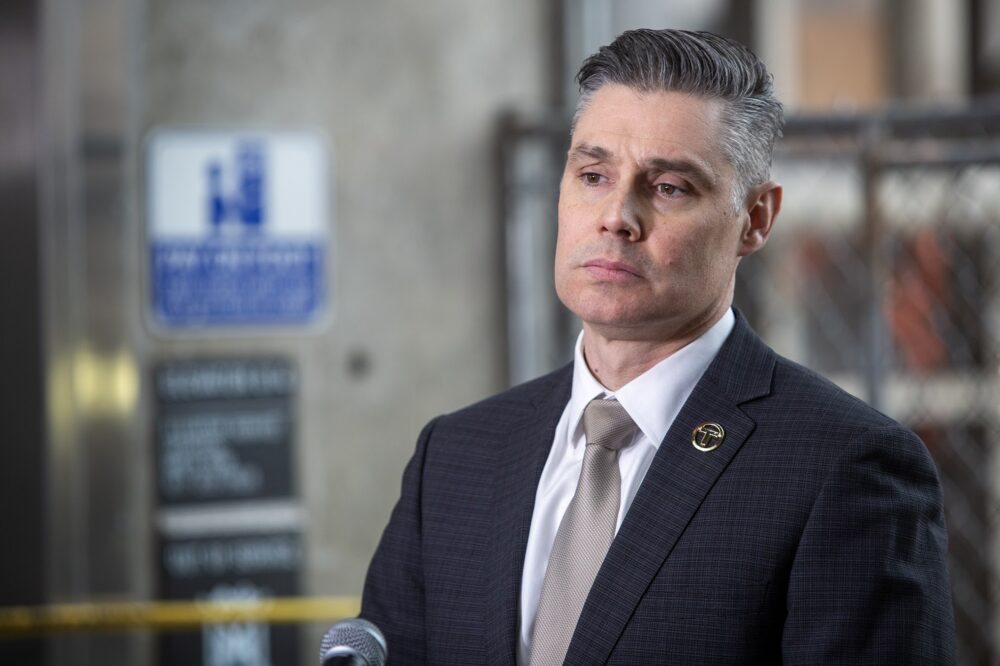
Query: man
x=680 y=494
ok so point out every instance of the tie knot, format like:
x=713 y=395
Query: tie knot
x=607 y=424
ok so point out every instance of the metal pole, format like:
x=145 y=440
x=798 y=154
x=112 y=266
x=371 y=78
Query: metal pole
x=875 y=365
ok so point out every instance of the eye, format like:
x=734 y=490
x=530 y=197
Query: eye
x=591 y=178
x=669 y=189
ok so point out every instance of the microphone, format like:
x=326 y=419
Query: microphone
x=353 y=642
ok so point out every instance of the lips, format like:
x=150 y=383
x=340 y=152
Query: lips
x=611 y=271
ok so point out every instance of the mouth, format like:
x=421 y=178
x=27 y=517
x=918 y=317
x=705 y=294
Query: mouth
x=611 y=271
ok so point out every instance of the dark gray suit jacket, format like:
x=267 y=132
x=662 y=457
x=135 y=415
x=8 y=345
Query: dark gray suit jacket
x=812 y=535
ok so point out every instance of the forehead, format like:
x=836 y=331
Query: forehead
x=640 y=125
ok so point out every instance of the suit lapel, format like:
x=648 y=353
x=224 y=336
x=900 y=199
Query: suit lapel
x=676 y=484
x=520 y=459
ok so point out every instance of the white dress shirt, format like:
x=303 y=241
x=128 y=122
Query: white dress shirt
x=653 y=400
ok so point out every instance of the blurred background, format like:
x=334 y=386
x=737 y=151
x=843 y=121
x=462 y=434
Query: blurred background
x=251 y=247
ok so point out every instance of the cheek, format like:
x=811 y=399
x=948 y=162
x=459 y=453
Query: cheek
x=564 y=253
x=562 y=241
x=700 y=257
x=567 y=231
x=721 y=238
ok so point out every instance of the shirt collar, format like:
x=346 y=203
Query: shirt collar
x=654 y=398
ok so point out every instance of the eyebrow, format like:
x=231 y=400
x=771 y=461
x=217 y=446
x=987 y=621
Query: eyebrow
x=587 y=150
x=688 y=167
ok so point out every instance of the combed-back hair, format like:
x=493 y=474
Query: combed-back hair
x=703 y=64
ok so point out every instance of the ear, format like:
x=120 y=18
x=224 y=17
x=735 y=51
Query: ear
x=762 y=205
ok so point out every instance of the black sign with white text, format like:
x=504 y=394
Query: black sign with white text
x=223 y=431
x=231 y=568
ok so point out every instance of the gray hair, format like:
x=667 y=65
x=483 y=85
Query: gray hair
x=704 y=64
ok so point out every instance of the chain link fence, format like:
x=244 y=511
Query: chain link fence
x=883 y=273
x=885 y=276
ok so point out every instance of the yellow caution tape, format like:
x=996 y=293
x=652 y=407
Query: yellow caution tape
x=167 y=615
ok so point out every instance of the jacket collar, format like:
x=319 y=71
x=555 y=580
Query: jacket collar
x=676 y=484
x=520 y=459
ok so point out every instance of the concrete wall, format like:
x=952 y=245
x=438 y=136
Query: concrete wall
x=408 y=94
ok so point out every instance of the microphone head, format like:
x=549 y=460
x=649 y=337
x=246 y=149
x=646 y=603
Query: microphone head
x=356 y=642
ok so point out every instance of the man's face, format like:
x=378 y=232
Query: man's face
x=648 y=239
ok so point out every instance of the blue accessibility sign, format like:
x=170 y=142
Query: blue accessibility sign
x=238 y=228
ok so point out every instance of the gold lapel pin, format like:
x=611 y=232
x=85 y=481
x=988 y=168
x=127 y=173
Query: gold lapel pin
x=707 y=436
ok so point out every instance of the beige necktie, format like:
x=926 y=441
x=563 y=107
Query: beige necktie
x=585 y=533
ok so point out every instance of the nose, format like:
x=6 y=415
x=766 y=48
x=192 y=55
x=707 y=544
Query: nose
x=620 y=215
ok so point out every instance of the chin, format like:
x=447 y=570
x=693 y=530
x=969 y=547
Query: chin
x=609 y=315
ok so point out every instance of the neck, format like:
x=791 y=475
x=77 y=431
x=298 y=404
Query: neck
x=615 y=360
